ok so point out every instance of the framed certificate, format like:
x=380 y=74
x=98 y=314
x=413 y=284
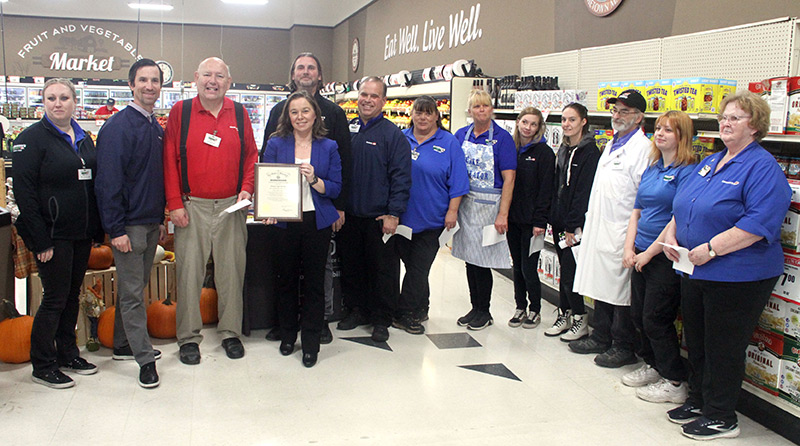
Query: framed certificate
x=279 y=192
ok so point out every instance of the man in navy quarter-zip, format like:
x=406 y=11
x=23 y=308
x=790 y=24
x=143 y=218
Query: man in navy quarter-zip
x=130 y=197
x=379 y=191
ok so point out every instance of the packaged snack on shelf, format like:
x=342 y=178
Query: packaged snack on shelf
x=788 y=285
x=789 y=380
x=795 y=185
x=793 y=170
x=695 y=94
x=570 y=96
x=773 y=318
x=763 y=360
x=540 y=268
x=778 y=104
x=556 y=271
x=793 y=120
x=760 y=88
x=606 y=91
x=602 y=137
x=790 y=229
x=791 y=326
x=702 y=146
x=548 y=266
x=657 y=94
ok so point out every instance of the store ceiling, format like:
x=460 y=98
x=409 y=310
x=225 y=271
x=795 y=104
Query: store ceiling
x=275 y=14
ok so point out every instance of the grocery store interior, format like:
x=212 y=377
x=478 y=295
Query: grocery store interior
x=449 y=386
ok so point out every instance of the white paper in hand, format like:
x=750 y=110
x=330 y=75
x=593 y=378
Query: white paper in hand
x=448 y=234
x=240 y=205
x=403 y=230
x=537 y=244
x=491 y=236
x=683 y=265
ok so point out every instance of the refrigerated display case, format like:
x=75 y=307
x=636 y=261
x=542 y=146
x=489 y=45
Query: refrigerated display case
x=35 y=97
x=254 y=104
x=94 y=99
x=16 y=96
x=122 y=97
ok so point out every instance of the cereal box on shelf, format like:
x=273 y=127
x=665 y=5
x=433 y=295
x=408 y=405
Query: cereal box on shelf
x=762 y=362
x=790 y=229
x=602 y=137
x=788 y=285
x=695 y=94
x=789 y=379
x=657 y=93
x=606 y=91
x=773 y=318
x=778 y=104
x=793 y=119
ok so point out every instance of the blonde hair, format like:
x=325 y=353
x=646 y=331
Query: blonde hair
x=479 y=97
x=682 y=125
x=539 y=133
x=60 y=80
x=753 y=105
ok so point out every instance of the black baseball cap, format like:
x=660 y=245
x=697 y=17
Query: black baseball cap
x=111 y=101
x=631 y=98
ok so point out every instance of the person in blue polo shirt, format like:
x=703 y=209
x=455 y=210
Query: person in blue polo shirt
x=728 y=213
x=438 y=181
x=655 y=288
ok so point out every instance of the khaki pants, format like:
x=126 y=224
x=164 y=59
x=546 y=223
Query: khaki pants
x=226 y=236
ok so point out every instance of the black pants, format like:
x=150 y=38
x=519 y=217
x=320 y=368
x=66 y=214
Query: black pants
x=370 y=277
x=568 y=299
x=526 y=278
x=718 y=322
x=655 y=298
x=480 y=283
x=417 y=255
x=302 y=245
x=53 y=335
x=613 y=325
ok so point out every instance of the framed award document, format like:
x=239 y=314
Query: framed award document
x=279 y=192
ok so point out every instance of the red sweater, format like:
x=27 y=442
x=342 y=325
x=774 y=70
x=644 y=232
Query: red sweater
x=213 y=171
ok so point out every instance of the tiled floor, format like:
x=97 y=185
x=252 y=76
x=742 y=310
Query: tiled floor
x=422 y=391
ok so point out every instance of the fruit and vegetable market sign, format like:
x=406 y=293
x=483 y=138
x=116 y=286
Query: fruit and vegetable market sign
x=68 y=49
x=602 y=8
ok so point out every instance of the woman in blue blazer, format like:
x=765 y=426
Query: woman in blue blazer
x=300 y=139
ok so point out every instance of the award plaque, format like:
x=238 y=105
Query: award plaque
x=279 y=192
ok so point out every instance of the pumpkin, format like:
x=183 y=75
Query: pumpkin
x=101 y=257
x=208 y=306
x=105 y=327
x=161 y=320
x=15 y=335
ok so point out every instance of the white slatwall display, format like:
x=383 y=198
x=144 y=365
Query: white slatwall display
x=747 y=53
x=564 y=65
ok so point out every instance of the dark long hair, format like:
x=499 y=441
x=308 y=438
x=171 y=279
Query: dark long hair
x=581 y=110
x=427 y=104
x=292 y=85
x=285 y=122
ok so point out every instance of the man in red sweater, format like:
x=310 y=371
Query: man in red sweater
x=215 y=176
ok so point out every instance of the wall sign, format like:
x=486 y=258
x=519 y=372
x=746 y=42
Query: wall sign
x=462 y=29
x=166 y=70
x=356 y=55
x=602 y=8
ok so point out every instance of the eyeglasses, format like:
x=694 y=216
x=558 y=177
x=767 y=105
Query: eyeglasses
x=623 y=113
x=732 y=119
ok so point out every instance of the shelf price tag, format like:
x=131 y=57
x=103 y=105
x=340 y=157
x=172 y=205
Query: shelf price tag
x=38 y=80
x=788 y=285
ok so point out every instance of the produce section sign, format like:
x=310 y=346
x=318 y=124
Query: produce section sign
x=602 y=8
x=72 y=48
x=461 y=29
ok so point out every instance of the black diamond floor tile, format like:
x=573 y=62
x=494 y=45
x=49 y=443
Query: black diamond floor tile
x=492 y=369
x=453 y=340
x=367 y=340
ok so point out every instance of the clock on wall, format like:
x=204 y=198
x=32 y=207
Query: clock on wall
x=166 y=69
x=356 y=54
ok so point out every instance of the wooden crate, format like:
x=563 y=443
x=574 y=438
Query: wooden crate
x=162 y=281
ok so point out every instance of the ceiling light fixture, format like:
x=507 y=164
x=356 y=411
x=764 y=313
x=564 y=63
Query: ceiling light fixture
x=246 y=2
x=151 y=6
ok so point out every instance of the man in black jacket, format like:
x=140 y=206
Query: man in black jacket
x=306 y=74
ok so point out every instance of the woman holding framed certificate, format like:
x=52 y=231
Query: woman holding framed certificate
x=300 y=140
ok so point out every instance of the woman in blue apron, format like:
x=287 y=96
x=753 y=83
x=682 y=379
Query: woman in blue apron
x=491 y=164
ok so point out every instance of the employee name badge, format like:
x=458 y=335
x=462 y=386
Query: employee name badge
x=84 y=174
x=212 y=140
x=704 y=171
x=616 y=164
x=414 y=154
x=355 y=127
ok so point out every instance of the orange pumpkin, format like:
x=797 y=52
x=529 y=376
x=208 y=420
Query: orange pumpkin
x=105 y=327
x=161 y=320
x=101 y=257
x=15 y=336
x=208 y=306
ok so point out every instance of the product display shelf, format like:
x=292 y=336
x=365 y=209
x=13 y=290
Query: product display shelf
x=795 y=139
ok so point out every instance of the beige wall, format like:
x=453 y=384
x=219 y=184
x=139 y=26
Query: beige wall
x=313 y=39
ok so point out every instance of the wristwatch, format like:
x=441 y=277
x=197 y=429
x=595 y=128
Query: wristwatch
x=711 y=252
x=314 y=181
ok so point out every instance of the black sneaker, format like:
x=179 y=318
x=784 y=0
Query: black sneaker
x=684 y=414
x=326 y=337
x=707 y=429
x=52 y=378
x=80 y=366
x=353 y=320
x=148 y=377
x=481 y=321
x=406 y=322
x=190 y=353
x=380 y=333
x=615 y=358
x=464 y=320
x=421 y=315
x=588 y=345
x=125 y=353
x=517 y=318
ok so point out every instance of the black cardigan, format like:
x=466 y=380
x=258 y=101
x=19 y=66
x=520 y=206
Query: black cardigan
x=53 y=203
x=571 y=201
x=533 y=185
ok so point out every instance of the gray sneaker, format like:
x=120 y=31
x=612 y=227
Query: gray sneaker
x=516 y=320
x=532 y=321
x=615 y=357
x=588 y=345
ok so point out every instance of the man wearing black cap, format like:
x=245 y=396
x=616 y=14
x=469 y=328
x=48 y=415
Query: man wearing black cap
x=599 y=273
x=108 y=109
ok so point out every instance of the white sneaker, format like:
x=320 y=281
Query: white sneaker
x=641 y=377
x=663 y=391
x=532 y=321
x=516 y=320
x=562 y=323
x=579 y=329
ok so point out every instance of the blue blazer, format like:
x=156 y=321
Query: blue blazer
x=327 y=166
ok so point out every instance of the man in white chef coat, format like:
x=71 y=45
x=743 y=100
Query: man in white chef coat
x=599 y=273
